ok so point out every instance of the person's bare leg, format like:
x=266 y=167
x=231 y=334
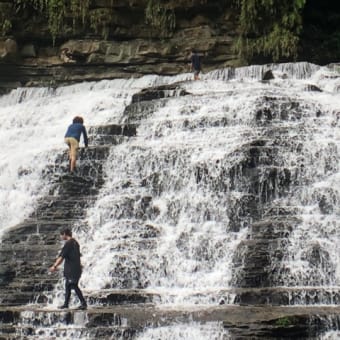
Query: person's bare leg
x=69 y=158
x=73 y=161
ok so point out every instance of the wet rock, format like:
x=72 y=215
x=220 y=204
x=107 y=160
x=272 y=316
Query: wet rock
x=28 y=51
x=325 y=205
x=24 y=278
x=313 y=88
x=8 y=50
x=268 y=75
x=159 y=92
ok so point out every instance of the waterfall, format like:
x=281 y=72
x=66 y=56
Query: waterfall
x=172 y=180
x=210 y=331
x=229 y=185
x=33 y=124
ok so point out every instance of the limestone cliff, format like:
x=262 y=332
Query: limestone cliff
x=129 y=47
x=124 y=38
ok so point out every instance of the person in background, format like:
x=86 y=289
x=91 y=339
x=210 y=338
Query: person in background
x=195 y=64
x=72 y=139
x=72 y=268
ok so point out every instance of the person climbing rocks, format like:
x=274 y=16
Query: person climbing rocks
x=195 y=64
x=72 y=139
x=72 y=268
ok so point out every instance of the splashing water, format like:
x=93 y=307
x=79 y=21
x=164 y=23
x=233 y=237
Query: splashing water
x=33 y=124
x=170 y=214
x=172 y=184
x=209 y=331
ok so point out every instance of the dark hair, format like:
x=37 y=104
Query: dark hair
x=78 y=119
x=66 y=232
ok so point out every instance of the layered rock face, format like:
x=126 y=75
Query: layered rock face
x=129 y=47
x=35 y=242
x=219 y=198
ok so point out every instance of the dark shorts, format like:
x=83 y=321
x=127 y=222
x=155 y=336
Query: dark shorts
x=197 y=72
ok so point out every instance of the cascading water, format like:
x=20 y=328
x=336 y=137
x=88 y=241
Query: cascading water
x=173 y=179
x=185 y=204
x=33 y=123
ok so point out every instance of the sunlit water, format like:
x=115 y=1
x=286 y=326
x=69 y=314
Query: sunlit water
x=190 y=260
x=33 y=122
x=170 y=180
x=194 y=330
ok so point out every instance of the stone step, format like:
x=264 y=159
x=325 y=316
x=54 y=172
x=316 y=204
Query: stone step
x=108 y=297
x=113 y=130
x=271 y=296
x=31 y=250
x=27 y=281
x=25 y=270
x=62 y=332
x=32 y=231
x=278 y=296
x=29 y=254
x=17 y=247
x=107 y=140
x=91 y=153
x=61 y=214
x=158 y=92
x=92 y=156
x=35 y=243
x=22 y=298
x=253 y=321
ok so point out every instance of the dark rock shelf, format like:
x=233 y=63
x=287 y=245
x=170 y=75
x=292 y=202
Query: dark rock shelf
x=241 y=322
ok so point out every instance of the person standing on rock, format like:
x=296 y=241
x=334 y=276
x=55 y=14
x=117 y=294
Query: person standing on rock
x=195 y=64
x=72 y=267
x=72 y=139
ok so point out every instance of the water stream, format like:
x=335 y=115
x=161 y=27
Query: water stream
x=170 y=216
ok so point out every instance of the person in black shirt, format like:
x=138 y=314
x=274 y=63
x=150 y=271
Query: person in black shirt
x=72 y=267
x=195 y=64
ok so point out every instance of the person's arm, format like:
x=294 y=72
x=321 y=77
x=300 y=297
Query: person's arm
x=57 y=262
x=86 y=141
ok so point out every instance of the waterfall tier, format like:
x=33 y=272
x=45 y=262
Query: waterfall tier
x=195 y=202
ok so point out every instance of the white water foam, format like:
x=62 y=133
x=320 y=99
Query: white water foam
x=190 y=260
x=193 y=330
x=33 y=122
x=180 y=154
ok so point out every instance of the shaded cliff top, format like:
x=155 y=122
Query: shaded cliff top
x=122 y=39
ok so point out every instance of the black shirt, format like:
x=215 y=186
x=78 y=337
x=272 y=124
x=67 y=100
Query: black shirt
x=196 y=61
x=71 y=254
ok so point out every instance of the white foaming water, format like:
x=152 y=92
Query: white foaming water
x=193 y=330
x=163 y=218
x=192 y=252
x=178 y=164
x=48 y=323
x=33 y=122
x=332 y=335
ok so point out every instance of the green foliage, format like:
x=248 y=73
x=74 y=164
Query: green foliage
x=5 y=27
x=270 y=28
x=56 y=11
x=5 y=14
x=39 y=5
x=160 y=17
x=286 y=321
x=100 y=20
x=80 y=9
x=60 y=12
